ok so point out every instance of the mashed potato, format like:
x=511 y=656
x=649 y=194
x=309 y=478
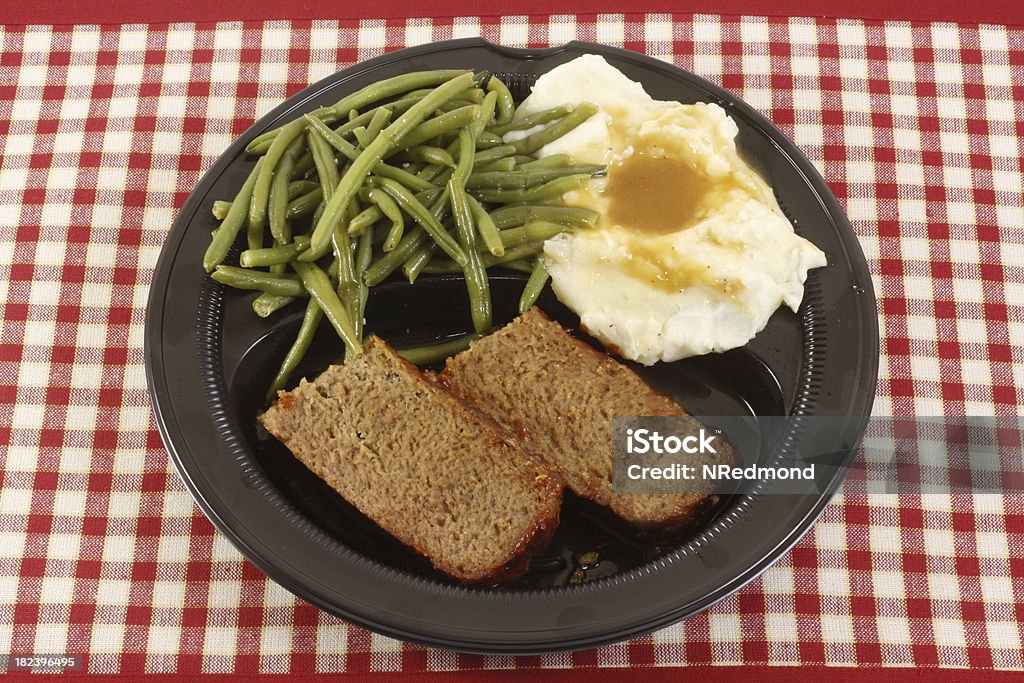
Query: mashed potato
x=692 y=254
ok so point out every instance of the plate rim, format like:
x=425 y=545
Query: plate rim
x=166 y=421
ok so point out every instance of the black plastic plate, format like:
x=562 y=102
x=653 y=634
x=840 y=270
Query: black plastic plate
x=209 y=360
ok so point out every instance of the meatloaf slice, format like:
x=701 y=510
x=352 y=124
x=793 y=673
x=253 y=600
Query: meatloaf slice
x=560 y=394
x=422 y=464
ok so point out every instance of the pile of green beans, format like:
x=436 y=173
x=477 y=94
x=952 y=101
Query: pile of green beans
x=411 y=175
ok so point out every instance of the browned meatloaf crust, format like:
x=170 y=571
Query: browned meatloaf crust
x=560 y=395
x=422 y=464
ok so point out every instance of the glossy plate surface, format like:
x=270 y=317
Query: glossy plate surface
x=209 y=360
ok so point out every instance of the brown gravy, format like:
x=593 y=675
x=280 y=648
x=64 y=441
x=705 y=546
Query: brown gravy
x=657 y=195
x=645 y=263
x=654 y=194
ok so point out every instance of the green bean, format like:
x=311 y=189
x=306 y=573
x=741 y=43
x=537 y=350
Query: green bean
x=438 y=125
x=395 y=86
x=354 y=119
x=452 y=105
x=415 y=264
x=549 y=190
x=364 y=194
x=499 y=152
x=297 y=188
x=532 y=120
x=439 y=266
x=506 y=104
x=542 y=175
x=359 y=223
x=523 y=265
x=364 y=255
x=550 y=161
x=399 y=106
x=485 y=226
x=310 y=322
x=266 y=304
x=417 y=94
x=261 y=143
x=304 y=205
x=243 y=278
x=278 y=202
x=442 y=266
x=224 y=236
x=503 y=165
x=353 y=209
x=220 y=209
x=303 y=167
x=523 y=159
x=258 y=207
x=361 y=136
x=373 y=214
x=478 y=126
x=390 y=209
x=466 y=152
x=535 y=230
x=386 y=264
x=339 y=143
x=253 y=236
x=520 y=251
x=474 y=271
x=435 y=353
x=363 y=119
x=423 y=216
x=521 y=180
x=444 y=176
x=534 y=286
x=474 y=94
x=464 y=146
x=318 y=212
x=382 y=169
x=532 y=143
x=348 y=286
x=489 y=141
x=355 y=176
x=282 y=253
x=430 y=155
x=408 y=179
x=412 y=242
x=381 y=117
x=326 y=166
x=431 y=173
x=319 y=287
x=511 y=216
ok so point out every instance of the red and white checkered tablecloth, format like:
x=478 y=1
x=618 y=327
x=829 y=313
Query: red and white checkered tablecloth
x=104 y=130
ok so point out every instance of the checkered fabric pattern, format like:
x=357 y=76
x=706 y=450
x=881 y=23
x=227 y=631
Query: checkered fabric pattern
x=104 y=130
